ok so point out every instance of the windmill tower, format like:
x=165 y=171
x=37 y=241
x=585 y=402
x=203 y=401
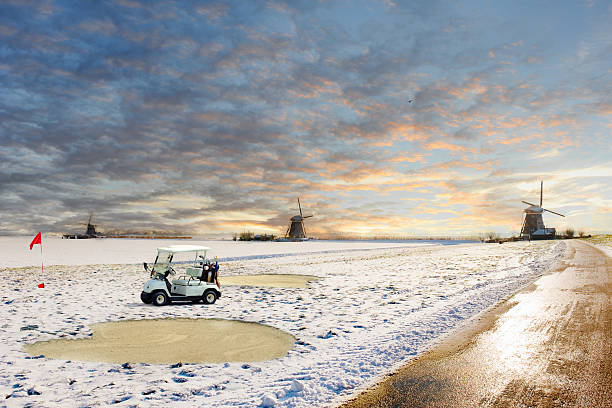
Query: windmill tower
x=533 y=224
x=91 y=229
x=296 y=230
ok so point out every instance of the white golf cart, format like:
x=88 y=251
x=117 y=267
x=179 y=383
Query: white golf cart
x=199 y=281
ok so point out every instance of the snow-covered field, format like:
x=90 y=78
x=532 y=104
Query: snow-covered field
x=372 y=310
x=56 y=251
x=603 y=242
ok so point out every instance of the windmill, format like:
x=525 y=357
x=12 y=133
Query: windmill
x=90 y=232
x=533 y=224
x=296 y=230
x=91 y=229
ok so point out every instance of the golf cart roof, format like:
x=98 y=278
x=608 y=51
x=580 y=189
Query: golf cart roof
x=183 y=248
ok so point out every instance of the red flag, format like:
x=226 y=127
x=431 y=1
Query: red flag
x=41 y=285
x=36 y=240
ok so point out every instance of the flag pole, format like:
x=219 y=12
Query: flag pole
x=42 y=267
x=38 y=240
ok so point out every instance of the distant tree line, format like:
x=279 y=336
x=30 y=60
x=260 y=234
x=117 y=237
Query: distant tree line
x=483 y=237
x=395 y=237
x=251 y=236
x=495 y=237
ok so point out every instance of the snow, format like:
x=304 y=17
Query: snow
x=603 y=243
x=183 y=248
x=376 y=305
x=607 y=249
x=57 y=251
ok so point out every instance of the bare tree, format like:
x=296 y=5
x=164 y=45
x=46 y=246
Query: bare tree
x=246 y=236
x=491 y=236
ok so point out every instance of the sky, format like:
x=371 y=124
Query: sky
x=384 y=117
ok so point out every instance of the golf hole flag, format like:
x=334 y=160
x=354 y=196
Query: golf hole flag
x=38 y=240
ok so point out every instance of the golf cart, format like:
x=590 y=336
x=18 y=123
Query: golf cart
x=199 y=281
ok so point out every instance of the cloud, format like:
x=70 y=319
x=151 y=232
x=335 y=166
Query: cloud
x=440 y=144
x=237 y=108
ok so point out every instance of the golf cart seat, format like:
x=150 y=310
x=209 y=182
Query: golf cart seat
x=194 y=272
x=192 y=278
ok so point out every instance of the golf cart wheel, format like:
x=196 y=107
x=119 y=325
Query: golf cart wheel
x=146 y=297
x=160 y=298
x=209 y=297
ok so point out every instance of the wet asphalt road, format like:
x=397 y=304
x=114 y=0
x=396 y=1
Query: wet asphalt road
x=547 y=346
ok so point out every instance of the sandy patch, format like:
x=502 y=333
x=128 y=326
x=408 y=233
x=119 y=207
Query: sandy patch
x=165 y=341
x=269 y=280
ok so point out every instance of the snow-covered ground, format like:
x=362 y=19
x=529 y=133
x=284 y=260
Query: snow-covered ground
x=15 y=251
x=372 y=310
x=603 y=242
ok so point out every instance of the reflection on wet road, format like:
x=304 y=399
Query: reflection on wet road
x=548 y=346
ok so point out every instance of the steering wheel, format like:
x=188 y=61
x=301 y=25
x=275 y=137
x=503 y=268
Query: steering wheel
x=170 y=270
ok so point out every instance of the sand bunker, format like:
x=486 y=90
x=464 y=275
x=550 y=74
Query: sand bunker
x=166 y=341
x=269 y=280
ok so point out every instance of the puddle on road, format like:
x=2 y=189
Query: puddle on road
x=269 y=280
x=167 y=341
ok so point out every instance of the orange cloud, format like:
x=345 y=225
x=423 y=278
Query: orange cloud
x=382 y=143
x=440 y=144
x=408 y=131
x=514 y=140
x=413 y=158
x=315 y=87
x=466 y=164
x=473 y=87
